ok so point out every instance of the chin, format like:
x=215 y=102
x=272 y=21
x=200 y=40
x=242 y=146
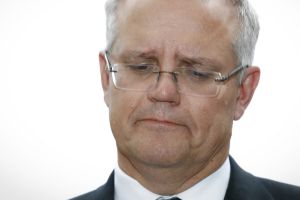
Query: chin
x=161 y=154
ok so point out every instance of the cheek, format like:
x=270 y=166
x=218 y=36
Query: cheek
x=212 y=122
x=122 y=106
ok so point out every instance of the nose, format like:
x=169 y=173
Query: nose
x=165 y=89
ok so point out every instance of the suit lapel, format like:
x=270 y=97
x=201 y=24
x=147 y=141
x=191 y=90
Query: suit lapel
x=243 y=185
x=105 y=192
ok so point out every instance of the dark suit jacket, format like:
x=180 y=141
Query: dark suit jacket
x=242 y=186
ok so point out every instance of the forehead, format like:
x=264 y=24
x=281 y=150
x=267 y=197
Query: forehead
x=169 y=26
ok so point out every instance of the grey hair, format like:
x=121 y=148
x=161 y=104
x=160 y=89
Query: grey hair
x=243 y=44
x=111 y=7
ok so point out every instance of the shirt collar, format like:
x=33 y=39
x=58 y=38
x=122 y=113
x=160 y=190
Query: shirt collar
x=212 y=187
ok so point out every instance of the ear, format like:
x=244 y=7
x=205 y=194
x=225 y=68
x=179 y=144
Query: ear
x=104 y=77
x=246 y=90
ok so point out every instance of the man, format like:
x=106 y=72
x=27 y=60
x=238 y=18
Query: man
x=175 y=75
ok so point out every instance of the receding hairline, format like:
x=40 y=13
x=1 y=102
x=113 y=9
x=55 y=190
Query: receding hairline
x=120 y=8
x=243 y=42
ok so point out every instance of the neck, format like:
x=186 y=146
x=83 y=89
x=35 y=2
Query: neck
x=171 y=180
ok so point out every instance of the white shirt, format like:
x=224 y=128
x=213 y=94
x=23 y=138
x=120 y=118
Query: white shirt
x=212 y=187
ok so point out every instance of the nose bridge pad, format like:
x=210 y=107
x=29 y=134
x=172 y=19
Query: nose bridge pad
x=158 y=76
x=174 y=75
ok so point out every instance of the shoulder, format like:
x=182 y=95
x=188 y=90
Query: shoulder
x=281 y=190
x=105 y=192
x=243 y=185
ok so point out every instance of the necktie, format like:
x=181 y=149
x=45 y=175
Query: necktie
x=164 y=198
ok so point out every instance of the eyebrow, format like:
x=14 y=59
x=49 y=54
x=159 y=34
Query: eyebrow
x=130 y=55
x=213 y=64
x=133 y=54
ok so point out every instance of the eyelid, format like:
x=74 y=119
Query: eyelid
x=203 y=66
x=206 y=69
x=142 y=64
x=201 y=71
x=136 y=63
x=153 y=67
x=139 y=60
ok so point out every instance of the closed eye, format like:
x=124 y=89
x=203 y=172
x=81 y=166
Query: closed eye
x=199 y=75
x=140 y=68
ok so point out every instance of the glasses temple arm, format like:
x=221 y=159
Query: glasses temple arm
x=233 y=72
x=108 y=64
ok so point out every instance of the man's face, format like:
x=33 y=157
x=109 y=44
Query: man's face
x=162 y=127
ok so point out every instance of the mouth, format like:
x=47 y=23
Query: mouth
x=158 y=122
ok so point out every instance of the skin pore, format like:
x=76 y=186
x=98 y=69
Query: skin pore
x=166 y=140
